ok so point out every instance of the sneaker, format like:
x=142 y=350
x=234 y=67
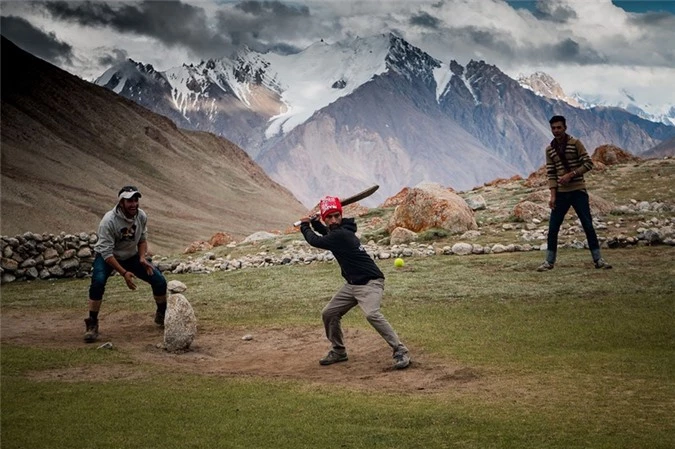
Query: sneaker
x=333 y=357
x=602 y=263
x=91 y=334
x=545 y=266
x=159 y=317
x=401 y=359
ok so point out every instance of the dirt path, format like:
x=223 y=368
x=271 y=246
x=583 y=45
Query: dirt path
x=290 y=353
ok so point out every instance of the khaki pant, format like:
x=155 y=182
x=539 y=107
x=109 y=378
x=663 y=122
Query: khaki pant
x=368 y=298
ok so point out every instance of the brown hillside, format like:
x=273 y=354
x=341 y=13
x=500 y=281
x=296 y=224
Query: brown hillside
x=68 y=146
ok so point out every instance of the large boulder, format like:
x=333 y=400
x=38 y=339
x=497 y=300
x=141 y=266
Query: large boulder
x=527 y=210
x=198 y=246
x=428 y=206
x=354 y=210
x=402 y=235
x=612 y=155
x=180 y=324
x=220 y=239
x=537 y=178
x=397 y=199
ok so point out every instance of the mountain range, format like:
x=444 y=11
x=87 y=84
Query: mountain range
x=69 y=145
x=545 y=85
x=336 y=118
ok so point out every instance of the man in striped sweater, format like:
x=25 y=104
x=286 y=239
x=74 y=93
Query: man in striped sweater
x=566 y=162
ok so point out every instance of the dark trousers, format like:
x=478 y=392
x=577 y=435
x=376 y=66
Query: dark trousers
x=577 y=199
x=102 y=271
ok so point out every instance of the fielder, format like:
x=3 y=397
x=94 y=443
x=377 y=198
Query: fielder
x=122 y=247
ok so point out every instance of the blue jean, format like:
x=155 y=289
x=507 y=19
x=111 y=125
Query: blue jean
x=577 y=199
x=102 y=271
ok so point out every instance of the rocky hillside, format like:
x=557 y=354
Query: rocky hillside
x=664 y=149
x=68 y=146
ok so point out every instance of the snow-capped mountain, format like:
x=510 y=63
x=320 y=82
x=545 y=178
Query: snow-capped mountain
x=545 y=85
x=373 y=109
x=627 y=102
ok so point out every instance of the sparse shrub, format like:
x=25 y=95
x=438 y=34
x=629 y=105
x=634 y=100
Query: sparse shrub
x=375 y=212
x=432 y=234
x=514 y=219
x=376 y=235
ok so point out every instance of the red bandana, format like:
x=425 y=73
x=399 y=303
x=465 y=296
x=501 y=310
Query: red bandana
x=328 y=205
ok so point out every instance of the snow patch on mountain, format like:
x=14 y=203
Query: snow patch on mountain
x=626 y=100
x=467 y=83
x=442 y=76
x=332 y=71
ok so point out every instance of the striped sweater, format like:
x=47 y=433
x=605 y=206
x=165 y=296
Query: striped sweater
x=577 y=159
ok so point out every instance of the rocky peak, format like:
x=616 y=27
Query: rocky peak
x=489 y=84
x=456 y=68
x=250 y=67
x=545 y=85
x=480 y=70
x=410 y=61
x=128 y=74
x=143 y=68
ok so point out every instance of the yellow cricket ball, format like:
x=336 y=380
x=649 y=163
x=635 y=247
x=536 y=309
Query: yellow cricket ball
x=398 y=263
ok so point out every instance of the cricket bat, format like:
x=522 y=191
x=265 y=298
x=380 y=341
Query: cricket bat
x=354 y=198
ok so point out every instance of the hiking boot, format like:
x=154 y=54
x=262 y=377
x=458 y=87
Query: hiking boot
x=91 y=334
x=602 y=263
x=401 y=359
x=159 y=317
x=333 y=357
x=545 y=266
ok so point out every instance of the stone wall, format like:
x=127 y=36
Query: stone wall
x=46 y=256
x=43 y=256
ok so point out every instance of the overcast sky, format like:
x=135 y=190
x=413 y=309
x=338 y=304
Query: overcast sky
x=594 y=47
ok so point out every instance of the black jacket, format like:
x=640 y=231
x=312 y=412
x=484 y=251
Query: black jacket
x=356 y=265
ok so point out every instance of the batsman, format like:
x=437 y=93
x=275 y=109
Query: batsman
x=365 y=281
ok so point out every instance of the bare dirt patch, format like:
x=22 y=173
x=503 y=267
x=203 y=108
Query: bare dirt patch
x=275 y=353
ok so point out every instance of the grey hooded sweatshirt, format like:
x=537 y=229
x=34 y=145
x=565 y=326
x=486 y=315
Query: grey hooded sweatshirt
x=119 y=236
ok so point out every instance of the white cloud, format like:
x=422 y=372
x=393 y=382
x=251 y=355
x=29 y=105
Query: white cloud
x=587 y=45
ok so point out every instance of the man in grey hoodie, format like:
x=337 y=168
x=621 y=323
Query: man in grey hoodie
x=122 y=246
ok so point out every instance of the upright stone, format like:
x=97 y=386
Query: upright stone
x=180 y=324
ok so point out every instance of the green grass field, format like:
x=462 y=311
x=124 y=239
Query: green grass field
x=572 y=358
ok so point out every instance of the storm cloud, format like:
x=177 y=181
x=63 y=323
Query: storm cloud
x=115 y=56
x=546 y=10
x=271 y=25
x=570 y=51
x=561 y=37
x=36 y=41
x=173 y=23
x=426 y=20
x=272 y=9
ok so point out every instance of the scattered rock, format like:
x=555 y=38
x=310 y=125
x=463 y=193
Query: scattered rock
x=176 y=286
